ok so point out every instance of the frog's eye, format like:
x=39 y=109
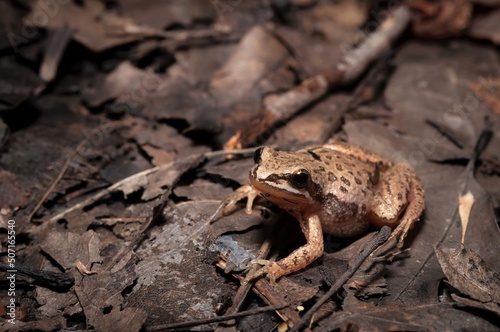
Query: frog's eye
x=300 y=179
x=257 y=154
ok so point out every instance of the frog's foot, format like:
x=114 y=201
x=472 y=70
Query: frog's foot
x=385 y=248
x=271 y=269
x=400 y=232
x=247 y=191
x=395 y=240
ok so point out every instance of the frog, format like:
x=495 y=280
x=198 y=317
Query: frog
x=338 y=189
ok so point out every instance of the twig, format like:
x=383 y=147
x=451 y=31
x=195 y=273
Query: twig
x=282 y=107
x=450 y=136
x=52 y=186
x=134 y=178
x=244 y=288
x=59 y=176
x=480 y=145
x=374 y=243
x=214 y=319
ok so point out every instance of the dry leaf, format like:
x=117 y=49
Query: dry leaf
x=465 y=203
x=467 y=272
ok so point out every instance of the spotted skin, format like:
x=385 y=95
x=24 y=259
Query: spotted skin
x=337 y=189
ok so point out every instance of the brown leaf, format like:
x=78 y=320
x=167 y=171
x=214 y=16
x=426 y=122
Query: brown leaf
x=465 y=203
x=104 y=290
x=467 y=272
x=66 y=248
x=489 y=91
x=131 y=84
x=161 y=142
x=11 y=35
x=12 y=196
x=256 y=67
x=90 y=22
x=482 y=236
x=485 y=26
x=201 y=190
x=441 y=19
x=177 y=98
x=431 y=85
x=128 y=319
x=17 y=83
x=433 y=317
x=174 y=281
x=234 y=169
x=163 y=14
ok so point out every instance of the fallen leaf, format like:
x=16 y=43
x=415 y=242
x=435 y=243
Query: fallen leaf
x=90 y=21
x=467 y=272
x=435 y=89
x=441 y=19
x=17 y=83
x=163 y=14
x=485 y=26
x=465 y=203
x=435 y=317
x=66 y=248
x=128 y=83
x=12 y=196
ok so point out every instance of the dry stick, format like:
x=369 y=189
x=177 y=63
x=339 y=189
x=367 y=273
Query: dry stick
x=374 y=243
x=480 y=145
x=214 y=319
x=63 y=170
x=350 y=68
x=134 y=178
x=244 y=288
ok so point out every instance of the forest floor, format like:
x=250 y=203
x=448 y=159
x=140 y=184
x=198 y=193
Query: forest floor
x=124 y=125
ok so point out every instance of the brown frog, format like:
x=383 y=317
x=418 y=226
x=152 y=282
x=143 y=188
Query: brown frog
x=338 y=189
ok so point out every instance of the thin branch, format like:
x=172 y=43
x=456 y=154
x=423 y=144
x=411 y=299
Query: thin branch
x=214 y=319
x=63 y=170
x=374 y=243
x=133 y=178
x=352 y=66
x=480 y=145
x=244 y=288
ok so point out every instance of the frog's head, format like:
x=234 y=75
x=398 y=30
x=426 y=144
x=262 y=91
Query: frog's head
x=288 y=179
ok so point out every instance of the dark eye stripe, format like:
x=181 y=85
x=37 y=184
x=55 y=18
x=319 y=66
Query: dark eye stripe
x=273 y=178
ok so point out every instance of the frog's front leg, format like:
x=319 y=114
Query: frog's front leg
x=398 y=200
x=247 y=191
x=298 y=259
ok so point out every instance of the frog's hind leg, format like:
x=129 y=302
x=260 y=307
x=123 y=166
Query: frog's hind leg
x=398 y=200
x=416 y=204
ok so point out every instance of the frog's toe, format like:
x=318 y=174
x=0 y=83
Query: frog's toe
x=270 y=269
x=246 y=191
x=254 y=275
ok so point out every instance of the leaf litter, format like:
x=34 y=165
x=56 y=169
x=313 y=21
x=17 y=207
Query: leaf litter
x=123 y=209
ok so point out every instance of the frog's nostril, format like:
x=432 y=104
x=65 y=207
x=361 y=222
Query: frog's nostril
x=257 y=154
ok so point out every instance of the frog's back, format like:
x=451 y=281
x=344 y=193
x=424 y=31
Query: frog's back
x=347 y=191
